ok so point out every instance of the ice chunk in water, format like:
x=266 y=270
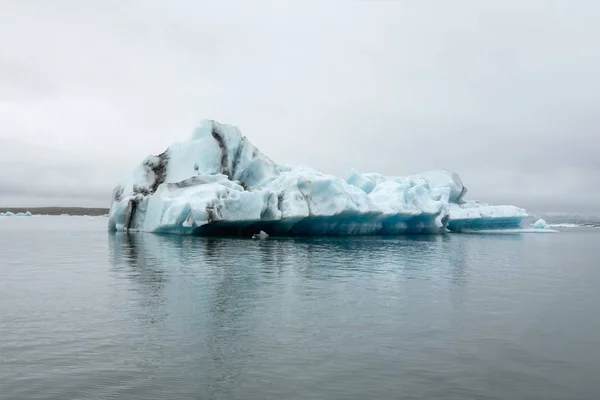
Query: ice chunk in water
x=219 y=183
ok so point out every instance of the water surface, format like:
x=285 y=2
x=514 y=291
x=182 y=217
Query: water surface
x=88 y=314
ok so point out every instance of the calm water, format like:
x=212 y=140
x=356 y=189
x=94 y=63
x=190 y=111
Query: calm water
x=85 y=314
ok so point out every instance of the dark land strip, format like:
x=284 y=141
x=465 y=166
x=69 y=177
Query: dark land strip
x=57 y=210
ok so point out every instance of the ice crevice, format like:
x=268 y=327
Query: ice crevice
x=218 y=183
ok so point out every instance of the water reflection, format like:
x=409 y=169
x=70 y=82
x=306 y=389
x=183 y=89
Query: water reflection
x=151 y=259
x=225 y=303
x=225 y=277
x=134 y=257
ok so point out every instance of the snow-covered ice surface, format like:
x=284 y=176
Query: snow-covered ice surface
x=219 y=183
x=568 y=219
x=509 y=231
x=565 y=225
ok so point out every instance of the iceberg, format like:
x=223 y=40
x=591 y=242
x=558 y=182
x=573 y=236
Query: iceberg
x=260 y=235
x=540 y=224
x=218 y=183
x=11 y=214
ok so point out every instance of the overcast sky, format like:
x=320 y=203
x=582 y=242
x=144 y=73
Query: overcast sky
x=506 y=93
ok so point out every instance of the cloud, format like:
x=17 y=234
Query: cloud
x=504 y=93
x=35 y=175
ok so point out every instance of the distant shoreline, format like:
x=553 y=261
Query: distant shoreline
x=57 y=210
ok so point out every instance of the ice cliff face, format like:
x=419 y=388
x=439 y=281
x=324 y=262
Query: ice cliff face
x=218 y=183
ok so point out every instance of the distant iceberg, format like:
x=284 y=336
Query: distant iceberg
x=219 y=183
x=11 y=214
x=570 y=220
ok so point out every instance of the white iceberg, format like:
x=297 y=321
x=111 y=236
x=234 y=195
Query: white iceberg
x=540 y=224
x=260 y=235
x=218 y=183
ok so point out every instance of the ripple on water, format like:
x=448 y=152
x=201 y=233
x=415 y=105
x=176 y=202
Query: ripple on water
x=89 y=314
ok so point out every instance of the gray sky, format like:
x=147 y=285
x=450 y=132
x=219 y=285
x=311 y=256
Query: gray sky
x=506 y=93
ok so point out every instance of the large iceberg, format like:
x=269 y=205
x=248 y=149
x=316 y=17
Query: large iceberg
x=219 y=183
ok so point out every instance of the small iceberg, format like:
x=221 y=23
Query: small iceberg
x=540 y=224
x=262 y=235
x=12 y=214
